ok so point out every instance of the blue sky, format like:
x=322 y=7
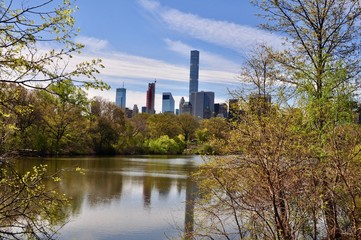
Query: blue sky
x=143 y=40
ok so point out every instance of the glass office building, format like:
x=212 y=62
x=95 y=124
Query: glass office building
x=167 y=103
x=203 y=104
x=120 y=97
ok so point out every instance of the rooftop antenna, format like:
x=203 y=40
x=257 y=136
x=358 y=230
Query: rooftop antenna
x=123 y=84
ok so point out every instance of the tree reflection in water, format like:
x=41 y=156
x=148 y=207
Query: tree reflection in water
x=128 y=197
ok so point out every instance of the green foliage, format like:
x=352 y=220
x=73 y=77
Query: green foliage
x=29 y=209
x=25 y=62
x=289 y=154
x=188 y=125
x=29 y=120
x=164 y=145
x=107 y=126
x=212 y=135
x=163 y=124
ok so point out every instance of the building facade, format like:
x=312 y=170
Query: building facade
x=194 y=73
x=120 y=97
x=186 y=108
x=135 y=110
x=220 y=110
x=203 y=104
x=167 y=103
x=181 y=103
x=150 y=98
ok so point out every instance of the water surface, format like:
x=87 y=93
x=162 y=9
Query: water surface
x=123 y=197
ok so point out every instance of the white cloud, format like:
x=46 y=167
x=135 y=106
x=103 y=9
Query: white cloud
x=92 y=44
x=222 y=33
x=120 y=66
x=207 y=60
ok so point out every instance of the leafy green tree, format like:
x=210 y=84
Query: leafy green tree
x=62 y=113
x=321 y=61
x=25 y=61
x=163 y=124
x=133 y=140
x=322 y=48
x=27 y=207
x=293 y=154
x=29 y=210
x=188 y=125
x=107 y=126
x=212 y=135
x=164 y=145
x=257 y=194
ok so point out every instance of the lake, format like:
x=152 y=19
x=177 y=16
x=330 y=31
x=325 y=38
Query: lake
x=124 y=197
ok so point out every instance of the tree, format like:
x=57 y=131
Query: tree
x=107 y=127
x=293 y=154
x=164 y=145
x=321 y=60
x=29 y=209
x=322 y=43
x=25 y=60
x=133 y=139
x=188 y=125
x=163 y=124
x=36 y=49
x=62 y=114
x=212 y=135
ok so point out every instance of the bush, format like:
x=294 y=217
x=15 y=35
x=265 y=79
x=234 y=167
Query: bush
x=164 y=145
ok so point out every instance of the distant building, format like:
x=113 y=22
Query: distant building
x=186 y=108
x=150 y=98
x=181 y=103
x=203 y=104
x=120 y=97
x=220 y=110
x=167 y=103
x=135 y=110
x=144 y=109
x=194 y=74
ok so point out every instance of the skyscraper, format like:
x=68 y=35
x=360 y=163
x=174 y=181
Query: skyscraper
x=120 y=97
x=150 y=98
x=194 y=72
x=167 y=103
x=203 y=104
x=181 y=103
x=135 y=110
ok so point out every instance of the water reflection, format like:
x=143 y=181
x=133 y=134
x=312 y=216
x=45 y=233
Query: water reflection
x=125 y=197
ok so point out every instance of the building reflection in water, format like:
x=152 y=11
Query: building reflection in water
x=191 y=191
x=122 y=182
x=147 y=192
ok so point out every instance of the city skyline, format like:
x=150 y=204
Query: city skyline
x=201 y=103
x=142 y=40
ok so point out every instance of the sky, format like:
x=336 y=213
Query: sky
x=141 y=41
